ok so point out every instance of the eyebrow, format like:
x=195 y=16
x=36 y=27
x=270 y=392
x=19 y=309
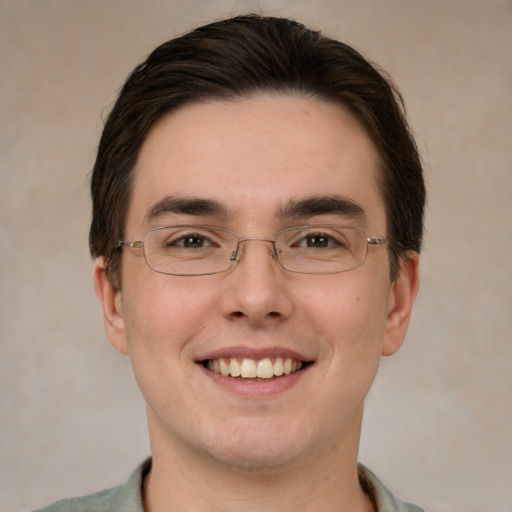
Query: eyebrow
x=295 y=208
x=187 y=206
x=322 y=205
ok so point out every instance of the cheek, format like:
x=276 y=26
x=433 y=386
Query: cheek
x=350 y=316
x=162 y=317
x=165 y=313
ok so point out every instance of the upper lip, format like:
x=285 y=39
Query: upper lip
x=252 y=353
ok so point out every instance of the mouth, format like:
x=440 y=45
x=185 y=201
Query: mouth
x=246 y=369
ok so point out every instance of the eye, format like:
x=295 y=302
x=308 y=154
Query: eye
x=318 y=241
x=171 y=238
x=191 y=241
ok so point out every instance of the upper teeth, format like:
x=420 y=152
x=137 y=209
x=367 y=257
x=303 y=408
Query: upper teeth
x=251 y=368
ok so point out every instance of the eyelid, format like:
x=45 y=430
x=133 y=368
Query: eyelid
x=174 y=234
x=299 y=233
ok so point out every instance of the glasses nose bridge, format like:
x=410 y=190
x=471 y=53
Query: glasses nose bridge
x=238 y=252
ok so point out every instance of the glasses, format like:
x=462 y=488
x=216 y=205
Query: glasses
x=188 y=250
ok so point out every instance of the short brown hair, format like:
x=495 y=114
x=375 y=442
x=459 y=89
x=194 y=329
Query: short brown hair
x=235 y=58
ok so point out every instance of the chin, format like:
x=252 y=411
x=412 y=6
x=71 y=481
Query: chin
x=254 y=449
x=255 y=459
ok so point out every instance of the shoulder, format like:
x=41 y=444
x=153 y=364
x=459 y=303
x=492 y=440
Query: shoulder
x=124 y=498
x=104 y=501
x=384 y=500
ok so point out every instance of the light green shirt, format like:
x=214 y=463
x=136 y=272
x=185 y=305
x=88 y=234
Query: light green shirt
x=128 y=497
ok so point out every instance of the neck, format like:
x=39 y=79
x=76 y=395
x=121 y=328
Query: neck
x=184 y=479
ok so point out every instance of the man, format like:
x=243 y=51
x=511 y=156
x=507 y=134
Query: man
x=257 y=219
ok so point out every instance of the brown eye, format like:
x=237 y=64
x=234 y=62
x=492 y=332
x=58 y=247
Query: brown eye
x=191 y=241
x=317 y=241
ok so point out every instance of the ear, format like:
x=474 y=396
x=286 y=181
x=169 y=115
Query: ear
x=112 y=305
x=401 y=299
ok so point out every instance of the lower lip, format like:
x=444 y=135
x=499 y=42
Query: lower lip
x=254 y=388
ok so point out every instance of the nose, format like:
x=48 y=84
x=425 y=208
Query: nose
x=257 y=286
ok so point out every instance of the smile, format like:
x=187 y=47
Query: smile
x=266 y=368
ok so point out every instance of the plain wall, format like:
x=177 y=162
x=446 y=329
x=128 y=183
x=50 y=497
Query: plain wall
x=438 y=420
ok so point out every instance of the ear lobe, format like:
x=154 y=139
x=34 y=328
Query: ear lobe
x=401 y=299
x=111 y=305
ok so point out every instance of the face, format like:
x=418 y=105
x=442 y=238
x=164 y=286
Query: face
x=245 y=166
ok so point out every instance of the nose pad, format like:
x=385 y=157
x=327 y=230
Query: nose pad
x=257 y=292
x=237 y=253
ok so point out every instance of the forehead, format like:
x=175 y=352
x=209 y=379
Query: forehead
x=254 y=156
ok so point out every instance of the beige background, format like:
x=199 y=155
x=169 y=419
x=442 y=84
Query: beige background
x=438 y=421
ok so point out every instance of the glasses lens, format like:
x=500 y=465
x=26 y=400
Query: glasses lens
x=321 y=249
x=189 y=250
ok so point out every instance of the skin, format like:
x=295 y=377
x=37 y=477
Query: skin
x=221 y=444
